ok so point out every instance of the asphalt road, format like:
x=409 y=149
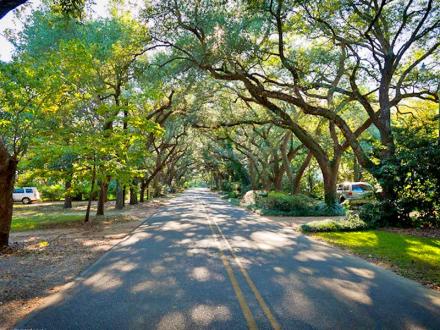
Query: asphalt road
x=200 y=263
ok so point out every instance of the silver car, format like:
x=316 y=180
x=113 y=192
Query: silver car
x=355 y=192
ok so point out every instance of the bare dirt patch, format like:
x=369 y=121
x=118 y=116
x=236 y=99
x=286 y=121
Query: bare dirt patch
x=40 y=262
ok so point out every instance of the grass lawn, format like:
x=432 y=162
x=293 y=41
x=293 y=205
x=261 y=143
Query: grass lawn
x=414 y=257
x=46 y=215
x=41 y=221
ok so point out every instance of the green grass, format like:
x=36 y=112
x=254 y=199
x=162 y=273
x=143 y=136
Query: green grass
x=41 y=221
x=414 y=257
x=46 y=215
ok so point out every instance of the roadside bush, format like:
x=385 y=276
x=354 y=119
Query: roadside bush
x=351 y=223
x=284 y=202
x=418 y=173
x=324 y=210
x=278 y=203
x=372 y=213
x=233 y=194
x=52 y=192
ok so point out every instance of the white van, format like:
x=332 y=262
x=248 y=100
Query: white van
x=355 y=192
x=26 y=195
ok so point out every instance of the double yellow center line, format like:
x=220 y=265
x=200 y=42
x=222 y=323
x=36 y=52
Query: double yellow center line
x=219 y=236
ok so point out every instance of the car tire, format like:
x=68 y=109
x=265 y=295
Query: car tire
x=26 y=200
x=341 y=200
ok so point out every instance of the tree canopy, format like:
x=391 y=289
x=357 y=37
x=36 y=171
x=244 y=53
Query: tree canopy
x=284 y=95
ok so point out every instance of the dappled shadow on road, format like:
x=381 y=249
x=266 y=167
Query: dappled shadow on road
x=168 y=275
x=305 y=279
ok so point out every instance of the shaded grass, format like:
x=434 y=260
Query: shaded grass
x=42 y=221
x=414 y=257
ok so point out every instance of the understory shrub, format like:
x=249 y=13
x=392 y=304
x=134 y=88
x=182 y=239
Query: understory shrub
x=278 y=203
x=322 y=209
x=372 y=213
x=52 y=192
x=352 y=222
x=233 y=194
x=283 y=202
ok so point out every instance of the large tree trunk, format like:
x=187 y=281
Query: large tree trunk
x=68 y=193
x=330 y=181
x=300 y=173
x=278 y=180
x=330 y=176
x=8 y=167
x=252 y=174
x=278 y=172
x=92 y=189
x=119 y=205
x=142 y=191
x=102 y=197
x=357 y=170
x=133 y=193
x=156 y=186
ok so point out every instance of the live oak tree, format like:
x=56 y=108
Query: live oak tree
x=261 y=92
x=331 y=74
x=29 y=95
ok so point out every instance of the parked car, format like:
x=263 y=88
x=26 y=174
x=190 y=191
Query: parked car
x=355 y=192
x=26 y=195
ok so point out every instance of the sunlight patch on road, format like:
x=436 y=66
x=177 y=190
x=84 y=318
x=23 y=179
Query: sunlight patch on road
x=158 y=270
x=205 y=243
x=136 y=238
x=176 y=226
x=103 y=282
x=200 y=274
x=151 y=285
x=354 y=291
x=306 y=270
x=172 y=321
x=278 y=269
x=363 y=272
x=311 y=255
x=123 y=266
x=204 y=315
x=267 y=240
x=203 y=274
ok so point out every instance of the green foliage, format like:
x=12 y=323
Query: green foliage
x=418 y=175
x=69 y=8
x=51 y=192
x=352 y=222
x=372 y=213
x=323 y=209
x=233 y=194
x=286 y=203
x=279 y=203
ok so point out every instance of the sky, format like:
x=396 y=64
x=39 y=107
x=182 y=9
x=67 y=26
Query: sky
x=11 y=21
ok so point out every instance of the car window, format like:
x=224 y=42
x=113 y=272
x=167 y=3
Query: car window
x=346 y=187
x=367 y=188
x=19 y=191
x=29 y=191
x=358 y=188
